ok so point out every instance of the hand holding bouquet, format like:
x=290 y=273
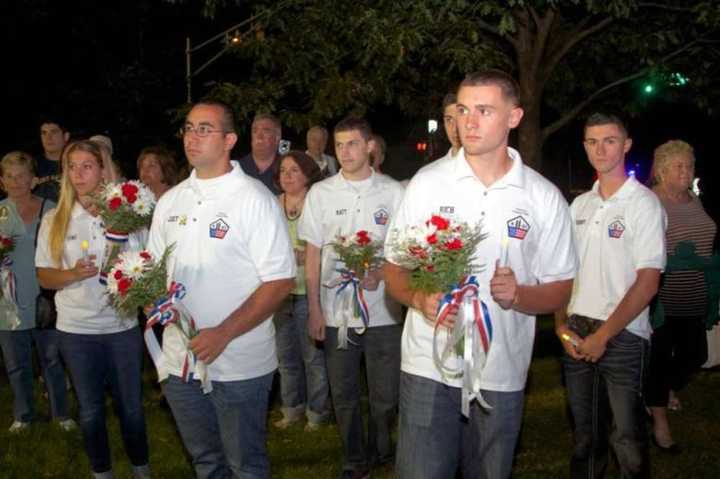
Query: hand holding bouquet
x=10 y=319
x=125 y=208
x=136 y=280
x=360 y=253
x=439 y=254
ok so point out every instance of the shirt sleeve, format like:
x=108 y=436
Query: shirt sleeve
x=269 y=243
x=556 y=259
x=156 y=239
x=310 y=223
x=649 y=224
x=403 y=218
x=43 y=258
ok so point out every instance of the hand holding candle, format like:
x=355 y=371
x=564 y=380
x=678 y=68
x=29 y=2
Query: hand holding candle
x=569 y=339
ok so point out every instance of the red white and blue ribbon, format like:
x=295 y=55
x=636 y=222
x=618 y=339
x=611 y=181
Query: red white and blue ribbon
x=115 y=245
x=9 y=295
x=470 y=337
x=349 y=303
x=170 y=310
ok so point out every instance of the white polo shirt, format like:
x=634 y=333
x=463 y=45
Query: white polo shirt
x=230 y=237
x=614 y=238
x=521 y=206
x=82 y=306
x=338 y=206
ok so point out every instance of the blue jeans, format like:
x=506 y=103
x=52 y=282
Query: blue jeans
x=435 y=439
x=17 y=351
x=225 y=430
x=381 y=348
x=303 y=377
x=115 y=360
x=604 y=393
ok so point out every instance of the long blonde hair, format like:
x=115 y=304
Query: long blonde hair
x=63 y=212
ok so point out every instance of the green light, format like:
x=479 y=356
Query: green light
x=649 y=88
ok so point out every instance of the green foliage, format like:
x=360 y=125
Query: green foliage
x=145 y=290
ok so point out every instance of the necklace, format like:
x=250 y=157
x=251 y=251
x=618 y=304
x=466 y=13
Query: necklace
x=293 y=213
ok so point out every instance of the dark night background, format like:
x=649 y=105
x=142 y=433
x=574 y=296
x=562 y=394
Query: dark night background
x=118 y=67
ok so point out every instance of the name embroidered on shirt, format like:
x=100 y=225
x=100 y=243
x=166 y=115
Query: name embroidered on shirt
x=218 y=229
x=518 y=227
x=381 y=217
x=580 y=222
x=341 y=212
x=616 y=229
x=447 y=209
x=172 y=219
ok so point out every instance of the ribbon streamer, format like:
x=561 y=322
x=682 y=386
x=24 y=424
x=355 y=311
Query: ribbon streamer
x=170 y=310
x=8 y=294
x=116 y=244
x=473 y=330
x=350 y=298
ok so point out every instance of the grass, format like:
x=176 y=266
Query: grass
x=545 y=443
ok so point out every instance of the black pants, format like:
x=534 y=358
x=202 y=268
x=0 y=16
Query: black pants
x=677 y=350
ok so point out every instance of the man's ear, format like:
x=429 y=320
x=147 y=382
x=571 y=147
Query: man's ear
x=516 y=115
x=230 y=140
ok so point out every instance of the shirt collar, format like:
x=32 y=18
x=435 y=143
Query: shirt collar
x=625 y=191
x=342 y=182
x=209 y=187
x=78 y=210
x=514 y=177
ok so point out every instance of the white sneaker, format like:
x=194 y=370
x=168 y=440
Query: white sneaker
x=312 y=426
x=19 y=426
x=284 y=423
x=67 y=425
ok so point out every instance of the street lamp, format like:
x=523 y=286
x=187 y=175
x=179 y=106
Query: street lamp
x=233 y=36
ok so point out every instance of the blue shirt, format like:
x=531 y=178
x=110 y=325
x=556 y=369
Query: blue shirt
x=266 y=177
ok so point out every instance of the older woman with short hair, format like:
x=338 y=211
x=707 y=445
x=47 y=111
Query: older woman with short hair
x=679 y=345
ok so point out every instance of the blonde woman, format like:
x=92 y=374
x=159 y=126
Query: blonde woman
x=99 y=348
x=20 y=216
x=679 y=346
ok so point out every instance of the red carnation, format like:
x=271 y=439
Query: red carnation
x=7 y=242
x=455 y=243
x=363 y=238
x=118 y=275
x=418 y=252
x=123 y=286
x=439 y=222
x=432 y=239
x=115 y=203
x=430 y=268
x=129 y=190
x=146 y=256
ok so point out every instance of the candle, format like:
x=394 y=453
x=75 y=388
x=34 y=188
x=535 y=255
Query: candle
x=84 y=246
x=569 y=339
x=504 y=252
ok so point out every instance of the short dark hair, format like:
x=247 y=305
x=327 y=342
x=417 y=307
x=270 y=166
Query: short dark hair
x=307 y=165
x=228 y=114
x=507 y=84
x=449 y=99
x=54 y=120
x=351 y=123
x=166 y=158
x=605 y=118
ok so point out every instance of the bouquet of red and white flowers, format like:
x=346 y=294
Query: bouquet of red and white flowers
x=8 y=300
x=125 y=208
x=439 y=254
x=137 y=280
x=359 y=253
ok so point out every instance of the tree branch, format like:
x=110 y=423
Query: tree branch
x=569 y=42
x=663 y=6
x=495 y=31
x=573 y=112
x=544 y=26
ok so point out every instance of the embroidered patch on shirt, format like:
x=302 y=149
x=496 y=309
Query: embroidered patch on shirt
x=616 y=229
x=518 y=227
x=4 y=213
x=381 y=217
x=218 y=229
x=183 y=220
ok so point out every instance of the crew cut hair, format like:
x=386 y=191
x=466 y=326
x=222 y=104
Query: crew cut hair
x=354 y=123
x=605 y=118
x=507 y=84
x=228 y=115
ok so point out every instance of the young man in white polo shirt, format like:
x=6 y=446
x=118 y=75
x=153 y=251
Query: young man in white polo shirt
x=488 y=183
x=233 y=254
x=355 y=199
x=620 y=238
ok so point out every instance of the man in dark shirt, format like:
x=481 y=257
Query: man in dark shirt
x=54 y=136
x=263 y=160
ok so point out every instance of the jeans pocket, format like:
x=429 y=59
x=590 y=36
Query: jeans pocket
x=626 y=341
x=417 y=399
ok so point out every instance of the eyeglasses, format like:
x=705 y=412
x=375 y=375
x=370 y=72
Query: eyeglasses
x=202 y=131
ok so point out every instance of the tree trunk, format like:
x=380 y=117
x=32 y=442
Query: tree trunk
x=529 y=139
